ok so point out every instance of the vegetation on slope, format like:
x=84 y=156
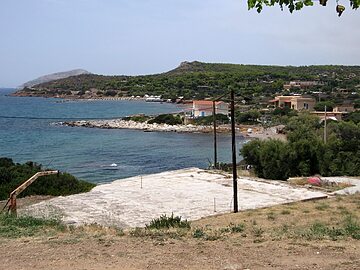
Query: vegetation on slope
x=196 y=80
x=305 y=153
x=12 y=175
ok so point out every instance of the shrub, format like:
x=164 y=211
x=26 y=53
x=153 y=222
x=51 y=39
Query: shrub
x=305 y=153
x=14 y=175
x=137 y=118
x=110 y=93
x=198 y=233
x=168 y=222
x=249 y=117
x=208 y=120
x=166 y=119
x=237 y=228
x=320 y=106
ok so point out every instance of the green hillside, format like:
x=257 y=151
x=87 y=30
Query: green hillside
x=199 y=80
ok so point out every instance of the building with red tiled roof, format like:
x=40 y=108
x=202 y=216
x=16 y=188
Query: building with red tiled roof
x=205 y=108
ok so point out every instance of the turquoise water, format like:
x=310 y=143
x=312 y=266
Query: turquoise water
x=27 y=133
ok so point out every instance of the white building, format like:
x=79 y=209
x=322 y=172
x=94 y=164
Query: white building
x=205 y=108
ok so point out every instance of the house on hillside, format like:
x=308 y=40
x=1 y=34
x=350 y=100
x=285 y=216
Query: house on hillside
x=337 y=114
x=302 y=84
x=345 y=108
x=205 y=108
x=297 y=103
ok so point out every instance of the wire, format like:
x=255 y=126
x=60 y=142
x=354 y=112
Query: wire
x=53 y=118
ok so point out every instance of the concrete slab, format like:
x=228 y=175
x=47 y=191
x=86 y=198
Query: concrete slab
x=355 y=182
x=191 y=193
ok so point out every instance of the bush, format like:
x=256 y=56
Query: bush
x=137 y=118
x=56 y=185
x=320 y=106
x=269 y=158
x=166 y=119
x=284 y=111
x=208 y=120
x=168 y=222
x=249 y=117
x=354 y=117
x=110 y=93
x=305 y=153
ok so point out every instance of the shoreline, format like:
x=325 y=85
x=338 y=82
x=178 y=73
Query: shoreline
x=256 y=131
x=129 y=124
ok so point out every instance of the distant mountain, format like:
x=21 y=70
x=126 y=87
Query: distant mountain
x=54 y=76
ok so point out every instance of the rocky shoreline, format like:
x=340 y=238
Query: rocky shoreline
x=255 y=133
x=129 y=124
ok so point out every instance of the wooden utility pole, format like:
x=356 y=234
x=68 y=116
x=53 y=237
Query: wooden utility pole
x=215 y=142
x=233 y=143
x=325 y=127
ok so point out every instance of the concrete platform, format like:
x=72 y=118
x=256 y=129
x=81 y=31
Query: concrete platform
x=191 y=193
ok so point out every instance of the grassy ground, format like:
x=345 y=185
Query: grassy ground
x=320 y=234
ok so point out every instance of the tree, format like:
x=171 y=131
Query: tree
x=297 y=4
x=320 y=106
x=249 y=117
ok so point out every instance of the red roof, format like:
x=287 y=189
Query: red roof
x=282 y=100
x=206 y=102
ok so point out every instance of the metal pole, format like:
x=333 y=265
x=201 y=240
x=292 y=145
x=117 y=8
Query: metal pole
x=325 y=127
x=215 y=143
x=233 y=143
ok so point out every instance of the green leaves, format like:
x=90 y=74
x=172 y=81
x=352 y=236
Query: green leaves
x=12 y=176
x=340 y=9
x=297 y=4
x=304 y=153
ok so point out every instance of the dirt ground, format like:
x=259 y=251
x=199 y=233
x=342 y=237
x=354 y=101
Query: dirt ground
x=270 y=238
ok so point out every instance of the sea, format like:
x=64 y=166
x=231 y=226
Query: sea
x=28 y=131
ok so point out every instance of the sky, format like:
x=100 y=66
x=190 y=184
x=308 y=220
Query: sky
x=132 y=37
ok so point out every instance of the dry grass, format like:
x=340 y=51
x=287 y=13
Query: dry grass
x=326 y=186
x=293 y=220
x=277 y=237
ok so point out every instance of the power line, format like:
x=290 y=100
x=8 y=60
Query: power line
x=56 y=118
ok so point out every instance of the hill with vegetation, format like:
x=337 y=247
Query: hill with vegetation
x=197 y=80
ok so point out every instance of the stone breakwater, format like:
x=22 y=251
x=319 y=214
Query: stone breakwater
x=129 y=124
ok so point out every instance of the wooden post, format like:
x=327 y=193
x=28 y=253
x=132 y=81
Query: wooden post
x=23 y=186
x=233 y=143
x=325 y=127
x=215 y=141
x=13 y=207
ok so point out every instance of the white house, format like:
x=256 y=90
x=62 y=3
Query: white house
x=205 y=108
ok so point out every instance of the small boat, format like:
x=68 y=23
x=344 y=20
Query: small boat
x=112 y=166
